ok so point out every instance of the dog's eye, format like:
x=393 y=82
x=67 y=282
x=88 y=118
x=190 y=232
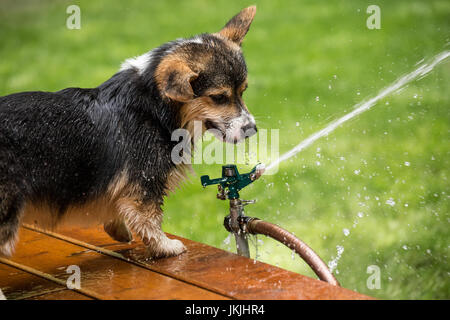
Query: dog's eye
x=219 y=98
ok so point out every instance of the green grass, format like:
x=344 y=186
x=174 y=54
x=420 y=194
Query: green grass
x=296 y=51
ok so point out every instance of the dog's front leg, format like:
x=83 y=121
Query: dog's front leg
x=145 y=218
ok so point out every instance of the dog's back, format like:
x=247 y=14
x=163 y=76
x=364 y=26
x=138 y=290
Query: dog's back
x=50 y=137
x=49 y=153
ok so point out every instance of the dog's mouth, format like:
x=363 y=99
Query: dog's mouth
x=221 y=132
x=210 y=125
x=216 y=130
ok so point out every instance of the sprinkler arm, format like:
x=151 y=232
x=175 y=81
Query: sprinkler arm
x=232 y=181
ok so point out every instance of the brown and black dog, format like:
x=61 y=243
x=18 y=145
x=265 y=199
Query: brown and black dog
x=103 y=155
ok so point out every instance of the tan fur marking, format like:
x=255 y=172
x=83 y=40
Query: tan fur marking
x=230 y=44
x=238 y=26
x=145 y=219
x=93 y=212
x=202 y=109
x=177 y=176
x=7 y=249
x=219 y=90
x=173 y=77
x=118 y=185
x=242 y=87
x=99 y=210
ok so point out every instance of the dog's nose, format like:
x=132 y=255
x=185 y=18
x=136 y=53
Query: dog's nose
x=249 y=129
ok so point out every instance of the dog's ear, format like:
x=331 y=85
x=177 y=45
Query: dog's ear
x=238 y=26
x=174 y=77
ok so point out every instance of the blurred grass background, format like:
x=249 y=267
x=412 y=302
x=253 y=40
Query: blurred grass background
x=378 y=186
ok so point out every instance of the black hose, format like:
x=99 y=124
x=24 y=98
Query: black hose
x=257 y=226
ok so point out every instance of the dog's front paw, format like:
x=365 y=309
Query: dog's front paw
x=164 y=248
x=174 y=247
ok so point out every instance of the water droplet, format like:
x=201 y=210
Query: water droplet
x=390 y=202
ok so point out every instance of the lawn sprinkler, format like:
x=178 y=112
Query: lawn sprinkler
x=229 y=186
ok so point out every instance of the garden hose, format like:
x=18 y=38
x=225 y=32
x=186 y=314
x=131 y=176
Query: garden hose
x=257 y=226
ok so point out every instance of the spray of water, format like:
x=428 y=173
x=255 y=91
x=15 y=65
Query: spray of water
x=421 y=71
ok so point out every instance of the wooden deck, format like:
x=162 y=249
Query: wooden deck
x=111 y=270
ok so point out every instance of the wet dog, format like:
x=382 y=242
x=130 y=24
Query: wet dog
x=103 y=155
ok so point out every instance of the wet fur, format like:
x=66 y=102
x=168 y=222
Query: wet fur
x=103 y=155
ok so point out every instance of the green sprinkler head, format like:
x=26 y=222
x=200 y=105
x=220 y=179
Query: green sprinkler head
x=232 y=181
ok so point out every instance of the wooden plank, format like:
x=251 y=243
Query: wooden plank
x=61 y=295
x=17 y=284
x=48 y=277
x=20 y=285
x=222 y=271
x=109 y=277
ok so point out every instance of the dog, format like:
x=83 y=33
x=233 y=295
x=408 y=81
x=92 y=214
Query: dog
x=103 y=155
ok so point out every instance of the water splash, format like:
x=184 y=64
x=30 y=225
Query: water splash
x=421 y=71
x=332 y=265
